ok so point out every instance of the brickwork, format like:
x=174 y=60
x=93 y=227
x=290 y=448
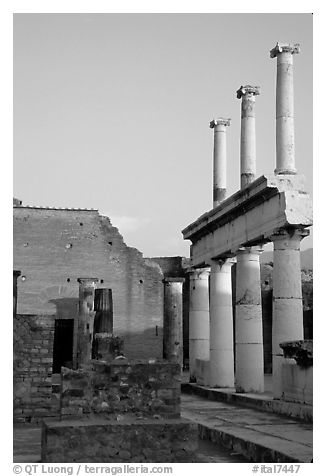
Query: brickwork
x=54 y=247
x=122 y=387
x=33 y=343
x=100 y=441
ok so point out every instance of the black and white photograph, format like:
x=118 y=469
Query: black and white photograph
x=162 y=241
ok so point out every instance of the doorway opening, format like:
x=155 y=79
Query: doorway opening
x=63 y=344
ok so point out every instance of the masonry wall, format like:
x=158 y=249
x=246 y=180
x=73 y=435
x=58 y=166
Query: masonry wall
x=32 y=366
x=54 y=247
x=122 y=387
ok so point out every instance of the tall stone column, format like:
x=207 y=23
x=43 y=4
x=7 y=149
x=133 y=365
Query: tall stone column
x=198 y=318
x=219 y=159
x=172 y=325
x=16 y=274
x=221 y=325
x=285 y=154
x=287 y=296
x=248 y=133
x=249 y=373
x=85 y=319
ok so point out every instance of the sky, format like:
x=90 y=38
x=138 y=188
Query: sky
x=112 y=111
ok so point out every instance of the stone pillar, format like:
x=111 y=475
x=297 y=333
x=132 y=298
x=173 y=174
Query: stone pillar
x=287 y=296
x=248 y=134
x=85 y=319
x=172 y=325
x=103 y=306
x=219 y=159
x=285 y=157
x=198 y=319
x=105 y=345
x=221 y=325
x=249 y=373
x=16 y=274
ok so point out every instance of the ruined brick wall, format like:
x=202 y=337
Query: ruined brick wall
x=32 y=390
x=54 y=247
x=132 y=388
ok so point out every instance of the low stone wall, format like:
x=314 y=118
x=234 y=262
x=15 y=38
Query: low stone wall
x=297 y=383
x=32 y=367
x=136 y=441
x=122 y=387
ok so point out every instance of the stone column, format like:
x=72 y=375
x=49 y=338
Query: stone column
x=85 y=319
x=248 y=133
x=249 y=373
x=287 y=297
x=172 y=325
x=103 y=306
x=198 y=319
x=105 y=345
x=16 y=274
x=285 y=157
x=219 y=159
x=221 y=325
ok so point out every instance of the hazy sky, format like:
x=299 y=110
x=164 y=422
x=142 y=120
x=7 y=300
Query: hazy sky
x=112 y=111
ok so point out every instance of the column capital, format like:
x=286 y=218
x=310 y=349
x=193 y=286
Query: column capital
x=196 y=273
x=168 y=280
x=87 y=281
x=248 y=91
x=250 y=250
x=284 y=48
x=294 y=233
x=221 y=121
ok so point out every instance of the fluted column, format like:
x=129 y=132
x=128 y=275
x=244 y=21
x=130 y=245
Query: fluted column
x=219 y=159
x=221 y=325
x=172 y=324
x=285 y=153
x=249 y=373
x=103 y=306
x=16 y=274
x=198 y=318
x=85 y=319
x=287 y=296
x=248 y=133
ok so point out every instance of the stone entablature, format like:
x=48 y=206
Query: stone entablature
x=250 y=217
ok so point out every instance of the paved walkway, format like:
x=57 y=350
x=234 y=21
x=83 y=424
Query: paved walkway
x=258 y=436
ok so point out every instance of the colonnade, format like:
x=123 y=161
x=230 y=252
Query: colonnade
x=211 y=315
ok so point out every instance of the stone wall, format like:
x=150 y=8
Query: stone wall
x=54 y=247
x=136 y=441
x=32 y=366
x=122 y=388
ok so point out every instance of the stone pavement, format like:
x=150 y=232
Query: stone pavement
x=27 y=448
x=257 y=435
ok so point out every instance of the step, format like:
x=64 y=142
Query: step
x=262 y=402
x=260 y=437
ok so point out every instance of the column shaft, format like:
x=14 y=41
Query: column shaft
x=248 y=134
x=85 y=319
x=198 y=319
x=219 y=160
x=103 y=307
x=221 y=325
x=16 y=274
x=287 y=297
x=249 y=375
x=172 y=325
x=285 y=153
